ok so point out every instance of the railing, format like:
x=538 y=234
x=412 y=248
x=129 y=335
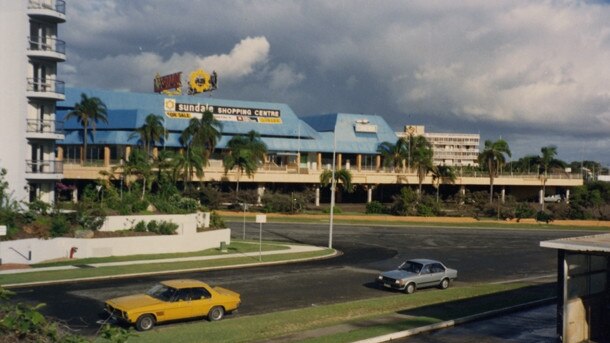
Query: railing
x=42 y=43
x=44 y=167
x=54 y=5
x=46 y=85
x=45 y=126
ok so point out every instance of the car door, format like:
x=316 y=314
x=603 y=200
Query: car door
x=438 y=271
x=202 y=301
x=426 y=277
x=179 y=307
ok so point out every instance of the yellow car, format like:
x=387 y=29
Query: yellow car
x=173 y=300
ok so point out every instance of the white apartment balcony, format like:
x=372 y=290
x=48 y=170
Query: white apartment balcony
x=48 y=10
x=44 y=170
x=44 y=129
x=47 y=89
x=47 y=48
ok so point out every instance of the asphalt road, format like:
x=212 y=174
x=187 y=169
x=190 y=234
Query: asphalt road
x=479 y=255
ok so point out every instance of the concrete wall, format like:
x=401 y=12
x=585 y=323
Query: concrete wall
x=188 y=223
x=39 y=250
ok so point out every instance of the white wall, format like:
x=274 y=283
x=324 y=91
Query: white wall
x=59 y=248
x=188 y=223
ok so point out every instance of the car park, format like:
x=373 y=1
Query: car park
x=417 y=273
x=173 y=300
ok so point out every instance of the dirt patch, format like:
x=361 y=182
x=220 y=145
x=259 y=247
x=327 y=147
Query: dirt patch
x=11 y=266
x=111 y=234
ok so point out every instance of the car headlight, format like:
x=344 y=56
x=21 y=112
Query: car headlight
x=379 y=277
x=399 y=282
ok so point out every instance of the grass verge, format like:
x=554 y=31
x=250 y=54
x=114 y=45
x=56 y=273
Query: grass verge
x=358 y=319
x=168 y=267
x=235 y=248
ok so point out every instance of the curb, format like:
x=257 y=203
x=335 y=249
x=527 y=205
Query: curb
x=168 y=272
x=454 y=322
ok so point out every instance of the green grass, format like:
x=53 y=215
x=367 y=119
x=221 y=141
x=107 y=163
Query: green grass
x=430 y=221
x=234 y=247
x=421 y=308
x=114 y=271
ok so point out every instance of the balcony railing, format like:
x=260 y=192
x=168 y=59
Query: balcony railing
x=44 y=167
x=42 y=43
x=54 y=5
x=45 y=126
x=46 y=85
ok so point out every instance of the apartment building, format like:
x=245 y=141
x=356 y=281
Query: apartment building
x=29 y=90
x=450 y=149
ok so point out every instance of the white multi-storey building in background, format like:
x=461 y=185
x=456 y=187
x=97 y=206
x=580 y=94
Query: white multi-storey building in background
x=450 y=149
x=29 y=90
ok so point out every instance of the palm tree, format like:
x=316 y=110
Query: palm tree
x=204 y=132
x=441 y=174
x=192 y=161
x=394 y=154
x=342 y=177
x=139 y=165
x=493 y=156
x=422 y=159
x=88 y=112
x=151 y=131
x=547 y=162
x=246 y=153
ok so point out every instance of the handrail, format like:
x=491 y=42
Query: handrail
x=45 y=126
x=46 y=85
x=54 y=5
x=46 y=43
x=44 y=166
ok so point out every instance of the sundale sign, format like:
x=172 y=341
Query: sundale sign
x=175 y=109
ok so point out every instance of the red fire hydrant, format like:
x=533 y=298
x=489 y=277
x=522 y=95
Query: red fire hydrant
x=73 y=251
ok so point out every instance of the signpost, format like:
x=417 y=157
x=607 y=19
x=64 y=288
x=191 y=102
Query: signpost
x=260 y=218
x=2 y=233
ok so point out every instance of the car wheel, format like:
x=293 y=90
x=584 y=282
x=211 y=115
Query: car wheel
x=145 y=322
x=444 y=283
x=410 y=288
x=216 y=313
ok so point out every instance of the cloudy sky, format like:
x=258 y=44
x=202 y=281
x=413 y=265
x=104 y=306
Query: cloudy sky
x=534 y=73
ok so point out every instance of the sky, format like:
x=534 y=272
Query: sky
x=534 y=73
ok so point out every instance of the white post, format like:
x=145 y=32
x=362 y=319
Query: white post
x=332 y=192
x=369 y=194
x=317 y=196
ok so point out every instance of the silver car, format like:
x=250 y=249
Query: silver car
x=418 y=273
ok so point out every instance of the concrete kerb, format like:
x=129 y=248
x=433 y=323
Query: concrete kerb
x=294 y=249
x=454 y=322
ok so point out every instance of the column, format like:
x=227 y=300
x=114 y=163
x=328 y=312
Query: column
x=369 y=194
x=339 y=161
x=462 y=194
x=127 y=152
x=317 y=196
x=106 y=156
x=75 y=195
x=567 y=196
x=260 y=191
x=155 y=152
x=60 y=153
x=378 y=162
x=298 y=162
x=359 y=162
x=319 y=161
x=503 y=194
x=541 y=196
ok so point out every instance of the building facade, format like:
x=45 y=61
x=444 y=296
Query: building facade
x=29 y=91
x=450 y=149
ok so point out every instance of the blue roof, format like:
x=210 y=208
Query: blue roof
x=127 y=111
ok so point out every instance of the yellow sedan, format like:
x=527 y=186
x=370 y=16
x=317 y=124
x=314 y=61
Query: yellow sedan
x=173 y=300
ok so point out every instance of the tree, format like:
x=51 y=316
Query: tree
x=244 y=153
x=547 y=162
x=151 y=131
x=342 y=177
x=394 y=154
x=88 y=112
x=204 y=132
x=493 y=156
x=422 y=159
x=140 y=166
x=441 y=174
x=192 y=161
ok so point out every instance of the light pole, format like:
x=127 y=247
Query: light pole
x=333 y=185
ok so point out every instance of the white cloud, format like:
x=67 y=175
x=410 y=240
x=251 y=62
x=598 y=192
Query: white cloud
x=283 y=77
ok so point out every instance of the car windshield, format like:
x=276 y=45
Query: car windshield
x=162 y=292
x=411 y=266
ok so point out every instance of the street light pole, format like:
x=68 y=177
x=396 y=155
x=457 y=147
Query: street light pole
x=333 y=185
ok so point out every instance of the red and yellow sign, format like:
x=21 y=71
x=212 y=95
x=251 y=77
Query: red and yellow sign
x=168 y=84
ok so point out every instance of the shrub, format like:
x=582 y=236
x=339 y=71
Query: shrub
x=59 y=226
x=524 y=210
x=375 y=207
x=336 y=210
x=216 y=221
x=167 y=228
x=542 y=216
x=140 y=227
